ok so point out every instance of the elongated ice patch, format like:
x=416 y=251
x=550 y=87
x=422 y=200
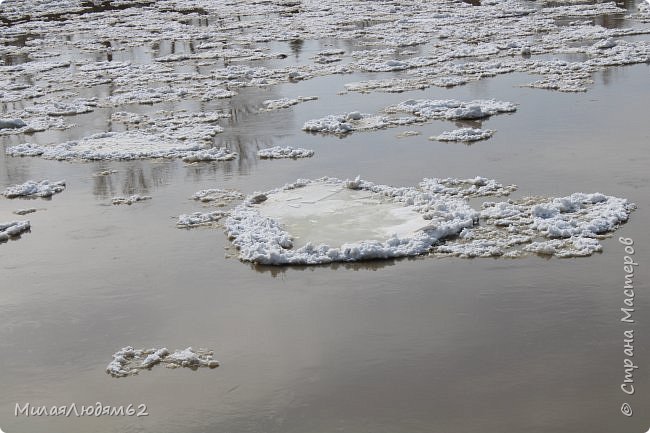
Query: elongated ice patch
x=130 y=200
x=464 y=134
x=124 y=146
x=278 y=152
x=13 y=229
x=129 y=361
x=32 y=188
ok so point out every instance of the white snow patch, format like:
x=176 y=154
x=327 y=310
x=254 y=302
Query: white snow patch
x=199 y=218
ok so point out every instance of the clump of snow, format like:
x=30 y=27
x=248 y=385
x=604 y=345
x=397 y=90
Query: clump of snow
x=277 y=152
x=130 y=200
x=199 y=218
x=13 y=229
x=32 y=188
x=464 y=134
x=276 y=104
x=129 y=361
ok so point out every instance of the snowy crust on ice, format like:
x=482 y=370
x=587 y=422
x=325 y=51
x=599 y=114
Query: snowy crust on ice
x=123 y=146
x=32 y=188
x=464 y=134
x=130 y=200
x=13 y=229
x=278 y=152
x=420 y=110
x=129 y=361
x=564 y=227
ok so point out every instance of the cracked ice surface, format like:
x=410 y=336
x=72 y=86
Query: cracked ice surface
x=129 y=361
x=329 y=220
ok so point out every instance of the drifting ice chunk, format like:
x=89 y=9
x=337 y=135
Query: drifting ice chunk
x=129 y=361
x=464 y=134
x=276 y=104
x=198 y=218
x=31 y=188
x=130 y=200
x=13 y=229
x=284 y=152
x=124 y=146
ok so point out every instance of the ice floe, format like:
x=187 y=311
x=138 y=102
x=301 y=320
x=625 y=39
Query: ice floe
x=129 y=361
x=329 y=220
x=220 y=197
x=124 y=146
x=278 y=152
x=421 y=110
x=276 y=104
x=464 y=134
x=130 y=199
x=32 y=188
x=13 y=229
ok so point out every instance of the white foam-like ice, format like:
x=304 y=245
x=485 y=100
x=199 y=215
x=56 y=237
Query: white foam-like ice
x=278 y=152
x=129 y=361
x=33 y=188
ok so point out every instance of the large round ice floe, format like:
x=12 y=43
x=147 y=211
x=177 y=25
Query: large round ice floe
x=123 y=146
x=329 y=220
